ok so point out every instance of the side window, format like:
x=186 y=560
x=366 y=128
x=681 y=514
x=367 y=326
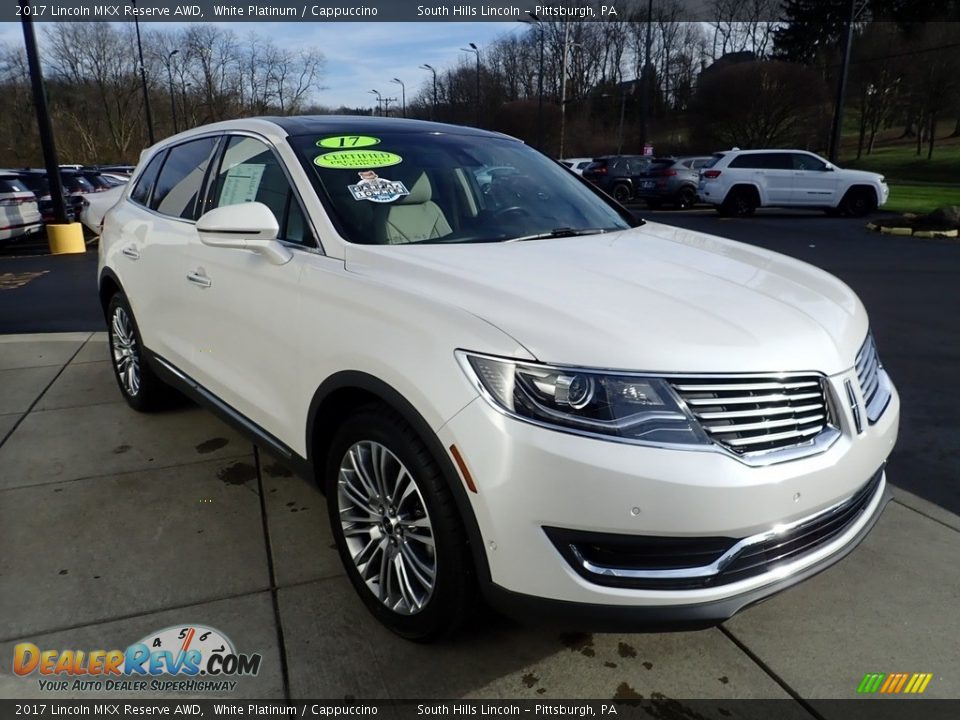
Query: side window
x=181 y=178
x=747 y=160
x=141 y=191
x=250 y=172
x=778 y=161
x=807 y=162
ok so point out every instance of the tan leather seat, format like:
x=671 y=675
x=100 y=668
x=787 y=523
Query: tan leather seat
x=414 y=217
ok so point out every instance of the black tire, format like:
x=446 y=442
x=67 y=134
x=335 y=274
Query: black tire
x=621 y=192
x=686 y=198
x=453 y=595
x=740 y=202
x=148 y=393
x=859 y=201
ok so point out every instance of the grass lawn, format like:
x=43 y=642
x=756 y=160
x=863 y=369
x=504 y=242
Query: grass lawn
x=898 y=160
x=921 y=198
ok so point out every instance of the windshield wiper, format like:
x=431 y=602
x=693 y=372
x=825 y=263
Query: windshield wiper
x=560 y=232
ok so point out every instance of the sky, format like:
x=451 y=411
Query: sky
x=361 y=56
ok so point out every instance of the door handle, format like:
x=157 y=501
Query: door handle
x=199 y=278
x=131 y=252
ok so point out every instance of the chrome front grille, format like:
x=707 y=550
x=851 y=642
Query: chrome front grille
x=760 y=413
x=874 y=385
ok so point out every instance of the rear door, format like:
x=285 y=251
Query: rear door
x=166 y=230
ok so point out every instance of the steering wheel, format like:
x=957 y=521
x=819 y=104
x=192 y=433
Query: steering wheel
x=512 y=210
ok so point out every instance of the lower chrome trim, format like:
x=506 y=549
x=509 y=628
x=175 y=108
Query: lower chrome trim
x=252 y=429
x=716 y=567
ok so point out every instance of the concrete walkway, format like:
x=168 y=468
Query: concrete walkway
x=114 y=525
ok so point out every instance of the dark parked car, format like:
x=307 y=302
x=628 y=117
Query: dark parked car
x=74 y=185
x=670 y=181
x=99 y=181
x=617 y=175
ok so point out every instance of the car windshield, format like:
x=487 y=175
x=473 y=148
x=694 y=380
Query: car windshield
x=404 y=188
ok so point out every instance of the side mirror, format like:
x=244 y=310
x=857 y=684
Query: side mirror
x=247 y=226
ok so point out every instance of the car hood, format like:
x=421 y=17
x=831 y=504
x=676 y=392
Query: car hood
x=863 y=175
x=654 y=298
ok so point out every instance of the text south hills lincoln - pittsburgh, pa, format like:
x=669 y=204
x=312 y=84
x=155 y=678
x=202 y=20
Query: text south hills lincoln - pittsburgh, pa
x=510 y=11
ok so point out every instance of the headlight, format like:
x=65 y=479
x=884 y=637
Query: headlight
x=633 y=408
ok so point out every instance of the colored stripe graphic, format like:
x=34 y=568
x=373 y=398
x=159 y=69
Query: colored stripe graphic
x=894 y=683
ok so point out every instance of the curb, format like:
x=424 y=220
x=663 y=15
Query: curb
x=900 y=230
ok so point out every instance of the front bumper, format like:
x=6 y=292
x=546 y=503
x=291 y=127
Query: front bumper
x=596 y=617
x=529 y=478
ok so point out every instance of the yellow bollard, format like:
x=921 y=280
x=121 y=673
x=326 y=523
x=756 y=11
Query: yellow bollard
x=66 y=238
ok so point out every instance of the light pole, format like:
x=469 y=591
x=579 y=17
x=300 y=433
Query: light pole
x=433 y=112
x=623 y=107
x=476 y=51
x=842 y=85
x=379 y=101
x=645 y=100
x=143 y=77
x=403 y=95
x=43 y=116
x=536 y=19
x=173 y=104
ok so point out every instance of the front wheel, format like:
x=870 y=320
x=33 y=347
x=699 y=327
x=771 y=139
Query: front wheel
x=138 y=384
x=859 y=201
x=396 y=526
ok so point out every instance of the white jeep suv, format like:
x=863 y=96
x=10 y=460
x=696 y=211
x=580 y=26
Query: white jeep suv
x=737 y=182
x=511 y=390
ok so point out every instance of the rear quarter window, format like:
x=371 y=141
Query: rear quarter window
x=713 y=161
x=180 y=181
x=144 y=186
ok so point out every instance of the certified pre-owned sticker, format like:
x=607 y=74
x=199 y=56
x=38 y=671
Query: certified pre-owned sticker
x=377 y=189
x=348 y=141
x=357 y=159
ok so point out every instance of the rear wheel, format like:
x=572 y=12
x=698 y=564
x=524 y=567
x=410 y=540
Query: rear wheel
x=621 y=193
x=396 y=526
x=859 y=201
x=138 y=384
x=686 y=198
x=740 y=202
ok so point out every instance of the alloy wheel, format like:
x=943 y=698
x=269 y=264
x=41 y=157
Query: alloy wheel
x=126 y=358
x=386 y=527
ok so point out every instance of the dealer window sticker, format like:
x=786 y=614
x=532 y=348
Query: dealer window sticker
x=241 y=184
x=348 y=141
x=377 y=189
x=357 y=159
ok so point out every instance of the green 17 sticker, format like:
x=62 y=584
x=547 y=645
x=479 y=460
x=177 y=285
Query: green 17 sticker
x=348 y=141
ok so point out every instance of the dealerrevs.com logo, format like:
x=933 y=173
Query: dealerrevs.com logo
x=199 y=657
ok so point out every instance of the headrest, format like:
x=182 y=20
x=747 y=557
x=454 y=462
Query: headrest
x=420 y=192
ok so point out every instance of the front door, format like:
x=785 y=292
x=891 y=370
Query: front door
x=247 y=321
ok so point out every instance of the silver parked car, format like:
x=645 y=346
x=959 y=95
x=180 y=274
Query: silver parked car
x=670 y=181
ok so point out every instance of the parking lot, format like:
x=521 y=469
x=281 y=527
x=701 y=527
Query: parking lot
x=114 y=525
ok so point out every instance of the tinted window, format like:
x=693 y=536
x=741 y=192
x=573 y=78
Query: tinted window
x=765 y=161
x=76 y=183
x=754 y=160
x=250 y=172
x=807 y=162
x=141 y=191
x=181 y=178
x=11 y=185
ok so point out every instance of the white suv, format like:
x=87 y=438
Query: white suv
x=511 y=390
x=737 y=182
